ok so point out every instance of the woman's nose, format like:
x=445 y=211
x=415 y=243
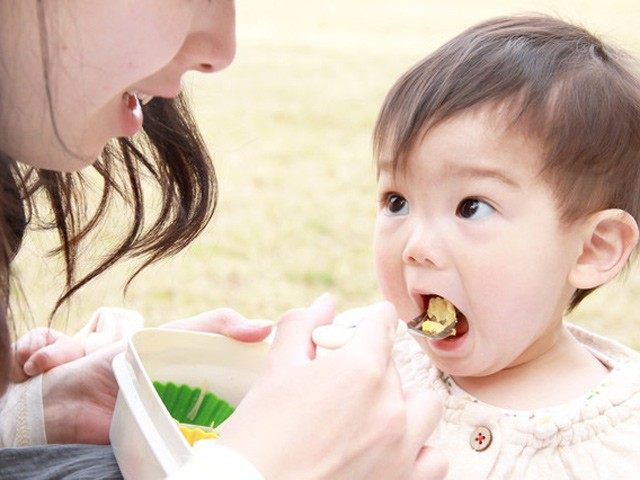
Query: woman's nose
x=211 y=44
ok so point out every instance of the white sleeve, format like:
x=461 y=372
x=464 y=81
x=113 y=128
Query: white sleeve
x=211 y=460
x=22 y=414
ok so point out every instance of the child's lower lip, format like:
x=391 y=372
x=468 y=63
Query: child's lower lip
x=448 y=344
x=453 y=341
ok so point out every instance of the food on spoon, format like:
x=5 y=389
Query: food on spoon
x=441 y=316
x=432 y=328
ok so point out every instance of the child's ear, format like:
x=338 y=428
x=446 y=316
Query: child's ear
x=610 y=237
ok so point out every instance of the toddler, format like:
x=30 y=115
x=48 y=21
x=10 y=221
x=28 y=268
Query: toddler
x=509 y=184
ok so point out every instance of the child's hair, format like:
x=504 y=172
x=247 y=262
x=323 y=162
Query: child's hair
x=553 y=81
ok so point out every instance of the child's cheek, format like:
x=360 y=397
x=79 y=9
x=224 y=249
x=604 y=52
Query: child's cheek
x=389 y=278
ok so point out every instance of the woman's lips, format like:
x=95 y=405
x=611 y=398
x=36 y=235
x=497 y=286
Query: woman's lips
x=133 y=117
x=132 y=114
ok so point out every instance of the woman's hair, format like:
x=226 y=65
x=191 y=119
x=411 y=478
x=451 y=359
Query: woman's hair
x=166 y=162
x=12 y=228
x=553 y=81
x=168 y=155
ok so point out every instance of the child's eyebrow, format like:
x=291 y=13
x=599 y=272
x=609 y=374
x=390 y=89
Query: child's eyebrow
x=463 y=171
x=473 y=171
x=384 y=167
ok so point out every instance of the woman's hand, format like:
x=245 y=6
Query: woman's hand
x=342 y=415
x=79 y=388
x=227 y=322
x=42 y=349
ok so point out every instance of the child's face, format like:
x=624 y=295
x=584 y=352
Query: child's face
x=471 y=220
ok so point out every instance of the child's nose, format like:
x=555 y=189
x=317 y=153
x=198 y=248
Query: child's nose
x=424 y=247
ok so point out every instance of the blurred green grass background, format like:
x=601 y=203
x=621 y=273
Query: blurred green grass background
x=289 y=125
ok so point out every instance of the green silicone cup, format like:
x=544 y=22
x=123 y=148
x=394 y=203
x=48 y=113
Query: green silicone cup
x=180 y=401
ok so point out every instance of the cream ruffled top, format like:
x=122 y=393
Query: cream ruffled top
x=594 y=437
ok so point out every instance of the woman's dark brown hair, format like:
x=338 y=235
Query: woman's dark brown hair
x=553 y=81
x=167 y=161
x=168 y=157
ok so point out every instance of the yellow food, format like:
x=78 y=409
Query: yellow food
x=432 y=328
x=194 y=433
x=441 y=311
x=441 y=317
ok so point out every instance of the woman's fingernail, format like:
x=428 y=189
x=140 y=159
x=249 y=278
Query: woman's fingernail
x=29 y=368
x=332 y=337
x=259 y=323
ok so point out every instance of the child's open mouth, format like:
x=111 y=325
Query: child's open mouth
x=441 y=319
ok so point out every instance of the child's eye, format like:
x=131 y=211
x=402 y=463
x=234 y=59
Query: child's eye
x=394 y=204
x=474 y=209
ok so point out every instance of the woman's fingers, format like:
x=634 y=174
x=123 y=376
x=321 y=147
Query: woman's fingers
x=225 y=321
x=108 y=325
x=431 y=464
x=292 y=342
x=375 y=332
x=60 y=349
x=25 y=347
x=424 y=411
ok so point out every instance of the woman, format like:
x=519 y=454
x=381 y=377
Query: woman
x=91 y=89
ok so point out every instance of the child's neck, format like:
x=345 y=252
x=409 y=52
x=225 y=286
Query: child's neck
x=561 y=374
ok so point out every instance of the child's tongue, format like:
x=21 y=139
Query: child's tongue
x=462 y=327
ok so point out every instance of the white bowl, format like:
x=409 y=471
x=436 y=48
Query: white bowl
x=146 y=441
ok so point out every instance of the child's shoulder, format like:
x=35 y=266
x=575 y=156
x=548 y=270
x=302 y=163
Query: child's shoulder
x=609 y=351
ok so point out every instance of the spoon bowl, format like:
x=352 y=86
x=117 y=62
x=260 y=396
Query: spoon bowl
x=415 y=327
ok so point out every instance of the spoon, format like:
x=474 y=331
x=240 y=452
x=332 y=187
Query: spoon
x=415 y=327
